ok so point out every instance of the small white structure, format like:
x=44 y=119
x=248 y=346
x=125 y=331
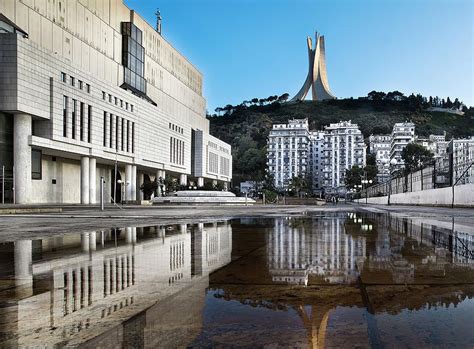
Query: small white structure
x=202 y=197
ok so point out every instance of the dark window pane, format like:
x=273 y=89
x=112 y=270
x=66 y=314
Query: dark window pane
x=36 y=168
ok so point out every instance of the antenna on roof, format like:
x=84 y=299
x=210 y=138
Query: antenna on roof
x=158 y=21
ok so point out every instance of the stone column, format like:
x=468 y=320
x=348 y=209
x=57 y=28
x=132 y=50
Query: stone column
x=183 y=179
x=22 y=158
x=200 y=182
x=128 y=182
x=85 y=242
x=85 y=180
x=92 y=241
x=133 y=183
x=92 y=180
x=140 y=182
x=23 y=263
x=128 y=235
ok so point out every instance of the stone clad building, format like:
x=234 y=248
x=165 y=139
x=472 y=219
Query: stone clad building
x=87 y=84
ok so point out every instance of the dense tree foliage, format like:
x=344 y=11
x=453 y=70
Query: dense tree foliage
x=415 y=157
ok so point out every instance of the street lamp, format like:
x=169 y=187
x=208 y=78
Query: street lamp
x=390 y=165
x=366 y=182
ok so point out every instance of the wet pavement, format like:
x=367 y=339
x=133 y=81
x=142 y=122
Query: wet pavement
x=321 y=279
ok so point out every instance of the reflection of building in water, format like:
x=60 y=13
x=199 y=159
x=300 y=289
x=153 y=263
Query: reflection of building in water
x=72 y=288
x=297 y=250
x=411 y=248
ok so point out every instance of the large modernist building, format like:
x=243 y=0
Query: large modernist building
x=87 y=84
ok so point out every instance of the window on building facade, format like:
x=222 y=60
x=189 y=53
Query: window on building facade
x=89 y=123
x=80 y=84
x=73 y=81
x=105 y=130
x=122 y=145
x=81 y=121
x=111 y=130
x=63 y=77
x=133 y=137
x=116 y=133
x=65 y=101
x=133 y=58
x=36 y=167
x=128 y=136
x=73 y=114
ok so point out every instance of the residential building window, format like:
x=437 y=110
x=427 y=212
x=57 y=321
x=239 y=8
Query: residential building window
x=116 y=100
x=65 y=116
x=131 y=108
x=88 y=88
x=121 y=103
x=63 y=77
x=104 y=95
x=80 y=84
x=73 y=81
x=74 y=107
x=105 y=129
x=36 y=168
x=89 y=123
x=81 y=121
x=110 y=98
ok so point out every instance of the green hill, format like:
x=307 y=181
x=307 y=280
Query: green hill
x=246 y=127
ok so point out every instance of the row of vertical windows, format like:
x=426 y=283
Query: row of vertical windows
x=72 y=110
x=119 y=133
x=225 y=166
x=213 y=165
x=117 y=101
x=176 y=128
x=176 y=151
x=76 y=82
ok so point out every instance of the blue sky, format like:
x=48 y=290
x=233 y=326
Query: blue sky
x=257 y=48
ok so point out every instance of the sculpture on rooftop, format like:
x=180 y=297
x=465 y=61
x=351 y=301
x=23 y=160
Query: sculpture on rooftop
x=317 y=78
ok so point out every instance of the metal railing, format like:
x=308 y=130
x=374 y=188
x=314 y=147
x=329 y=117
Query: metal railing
x=437 y=175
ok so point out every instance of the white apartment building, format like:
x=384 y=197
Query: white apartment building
x=87 y=84
x=316 y=159
x=344 y=147
x=461 y=153
x=288 y=151
x=324 y=156
x=402 y=134
x=379 y=145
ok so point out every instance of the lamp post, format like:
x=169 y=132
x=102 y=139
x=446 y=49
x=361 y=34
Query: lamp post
x=366 y=182
x=390 y=165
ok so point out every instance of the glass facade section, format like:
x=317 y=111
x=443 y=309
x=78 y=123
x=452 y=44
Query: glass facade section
x=133 y=58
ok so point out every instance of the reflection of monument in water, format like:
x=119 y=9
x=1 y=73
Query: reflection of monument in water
x=297 y=250
x=85 y=287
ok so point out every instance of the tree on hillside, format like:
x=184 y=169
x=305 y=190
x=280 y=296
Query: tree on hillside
x=415 y=157
x=283 y=98
x=353 y=176
x=376 y=96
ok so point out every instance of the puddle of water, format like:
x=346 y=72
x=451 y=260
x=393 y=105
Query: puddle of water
x=347 y=279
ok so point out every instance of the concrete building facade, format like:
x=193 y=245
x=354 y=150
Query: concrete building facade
x=344 y=147
x=321 y=156
x=379 y=145
x=88 y=84
x=288 y=151
x=402 y=134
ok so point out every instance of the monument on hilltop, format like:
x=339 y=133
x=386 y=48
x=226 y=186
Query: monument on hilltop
x=317 y=78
